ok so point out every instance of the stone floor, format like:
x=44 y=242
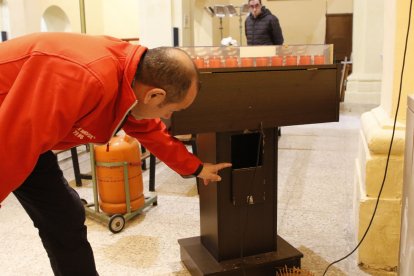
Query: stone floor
x=315 y=211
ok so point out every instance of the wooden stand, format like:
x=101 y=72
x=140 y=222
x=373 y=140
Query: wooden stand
x=199 y=261
x=235 y=116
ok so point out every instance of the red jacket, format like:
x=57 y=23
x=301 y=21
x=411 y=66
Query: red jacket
x=60 y=90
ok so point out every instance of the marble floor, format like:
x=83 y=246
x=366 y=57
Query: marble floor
x=315 y=211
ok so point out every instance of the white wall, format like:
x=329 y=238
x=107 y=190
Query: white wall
x=94 y=17
x=203 y=24
x=18 y=20
x=182 y=18
x=121 y=18
x=155 y=22
x=25 y=15
x=302 y=21
x=4 y=16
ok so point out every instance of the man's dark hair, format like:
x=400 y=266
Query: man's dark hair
x=160 y=68
x=248 y=1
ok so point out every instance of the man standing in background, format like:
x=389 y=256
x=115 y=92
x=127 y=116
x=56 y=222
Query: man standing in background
x=261 y=26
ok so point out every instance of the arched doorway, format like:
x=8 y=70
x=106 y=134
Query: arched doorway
x=54 y=19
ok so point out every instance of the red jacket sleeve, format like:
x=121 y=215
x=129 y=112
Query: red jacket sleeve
x=38 y=111
x=153 y=135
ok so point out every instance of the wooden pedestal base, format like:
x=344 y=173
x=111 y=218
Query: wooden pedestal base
x=199 y=261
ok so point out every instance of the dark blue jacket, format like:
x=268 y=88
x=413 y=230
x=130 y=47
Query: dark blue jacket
x=263 y=30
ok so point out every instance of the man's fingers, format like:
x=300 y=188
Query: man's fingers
x=222 y=166
x=216 y=169
x=210 y=172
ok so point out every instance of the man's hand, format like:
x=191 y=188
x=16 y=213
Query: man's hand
x=209 y=172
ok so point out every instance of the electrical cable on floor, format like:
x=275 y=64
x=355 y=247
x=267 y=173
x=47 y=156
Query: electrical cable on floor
x=244 y=225
x=389 y=150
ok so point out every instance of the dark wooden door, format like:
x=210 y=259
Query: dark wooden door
x=339 y=33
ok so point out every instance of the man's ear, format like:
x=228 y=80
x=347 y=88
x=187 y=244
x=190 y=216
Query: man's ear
x=155 y=96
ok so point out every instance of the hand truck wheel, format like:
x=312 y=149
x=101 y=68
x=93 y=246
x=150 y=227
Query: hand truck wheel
x=116 y=223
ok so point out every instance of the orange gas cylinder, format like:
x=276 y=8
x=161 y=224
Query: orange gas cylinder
x=110 y=179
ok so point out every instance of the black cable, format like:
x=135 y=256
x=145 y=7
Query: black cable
x=389 y=150
x=244 y=225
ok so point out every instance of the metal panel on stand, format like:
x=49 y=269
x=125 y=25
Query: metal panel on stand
x=241 y=98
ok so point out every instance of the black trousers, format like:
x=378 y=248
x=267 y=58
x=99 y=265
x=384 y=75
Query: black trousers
x=56 y=210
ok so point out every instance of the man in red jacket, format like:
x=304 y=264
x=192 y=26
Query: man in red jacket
x=60 y=90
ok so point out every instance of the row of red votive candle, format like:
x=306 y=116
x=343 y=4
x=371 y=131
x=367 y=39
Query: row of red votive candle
x=216 y=62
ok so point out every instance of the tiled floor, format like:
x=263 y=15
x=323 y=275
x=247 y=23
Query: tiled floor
x=315 y=211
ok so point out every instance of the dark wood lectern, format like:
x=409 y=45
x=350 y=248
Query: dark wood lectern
x=235 y=117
